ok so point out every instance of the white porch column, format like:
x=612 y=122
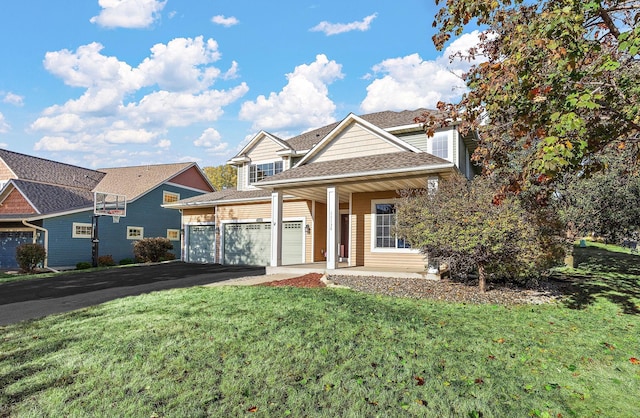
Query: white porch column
x=276 y=228
x=333 y=227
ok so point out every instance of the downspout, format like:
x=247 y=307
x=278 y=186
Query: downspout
x=46 y=242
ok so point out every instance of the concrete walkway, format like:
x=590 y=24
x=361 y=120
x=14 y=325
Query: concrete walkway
x=253 y=280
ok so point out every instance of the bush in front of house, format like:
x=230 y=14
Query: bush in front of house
x=83 y=265
x=29 y=256
x=126 y=261
x=106 y=261
x=153 y=250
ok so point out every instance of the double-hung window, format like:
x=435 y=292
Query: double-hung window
x=384 y=214
x=258 y=172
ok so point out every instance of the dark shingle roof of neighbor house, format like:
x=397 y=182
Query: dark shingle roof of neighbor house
x=384 y=120
x=137 y=180
x=380 y=163
x=27 y=167
x=49 y=198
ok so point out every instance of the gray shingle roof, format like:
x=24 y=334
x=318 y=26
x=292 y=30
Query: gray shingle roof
x=27 y=167
x=384 y=120
x=380 y=163
x=224 y=195
x=49 y=198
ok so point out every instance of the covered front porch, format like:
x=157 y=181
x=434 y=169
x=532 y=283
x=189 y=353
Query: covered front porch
x=353 y=211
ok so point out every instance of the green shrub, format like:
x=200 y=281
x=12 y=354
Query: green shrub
x=106 y=261
x=29 y=256
x=153 y=250
x=83 y=265
x=126 y=261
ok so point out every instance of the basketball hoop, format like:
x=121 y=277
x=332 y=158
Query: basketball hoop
x=116 y=219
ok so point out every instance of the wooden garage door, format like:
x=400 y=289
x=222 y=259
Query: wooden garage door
x=250 y=243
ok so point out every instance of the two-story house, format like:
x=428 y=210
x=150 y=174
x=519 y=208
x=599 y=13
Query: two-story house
x=52 y=203
x=326 y=195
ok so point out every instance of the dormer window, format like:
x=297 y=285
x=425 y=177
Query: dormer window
x=258 y=172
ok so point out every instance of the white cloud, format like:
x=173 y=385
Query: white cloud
x=87 y=67
x=410 y=82
x=58 y=143
x=461 y=45
x=232 y=72
x=122 y=104
x=212 y=141
x=4 y=126
x=303 y=103
x=182 y=64
x=225 y=21
x=337 y=28
x=128 y=13
x=171 y=109
x=13 y=99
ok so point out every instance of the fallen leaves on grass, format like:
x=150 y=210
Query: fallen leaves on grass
x=634 y=360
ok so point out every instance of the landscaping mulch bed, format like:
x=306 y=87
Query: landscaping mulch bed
x=445 y=290
x=308 y=280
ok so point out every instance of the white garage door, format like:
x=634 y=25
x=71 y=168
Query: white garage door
x=250 y=243
x=201 y=244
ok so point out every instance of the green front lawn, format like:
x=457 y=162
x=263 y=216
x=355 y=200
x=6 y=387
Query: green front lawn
x=272 y=352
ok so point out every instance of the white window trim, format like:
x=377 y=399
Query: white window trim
x=137 y=228
x=249 y=164
x=175 y=231
x=449 y=144
x=165 y=194
x=375 y=249
x=74 y=233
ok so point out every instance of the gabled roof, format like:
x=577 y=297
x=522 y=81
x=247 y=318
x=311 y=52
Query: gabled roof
x=259 y=137
x=49 y=198
x=350 y=119
x=26 y=167
x=384 y=120
x=136 y=181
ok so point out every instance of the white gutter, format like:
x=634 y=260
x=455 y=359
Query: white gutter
x=407 y=170
x=46 y=242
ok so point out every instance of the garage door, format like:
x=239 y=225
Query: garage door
x=250 y=243
x=201 y=244
x=9 y=241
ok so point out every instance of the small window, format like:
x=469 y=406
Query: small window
x=173 y=234
x=258 y=172
x=135 y=232
x=170 y=197
x=81 y=230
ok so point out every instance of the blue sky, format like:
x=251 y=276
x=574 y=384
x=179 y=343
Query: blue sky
x=104 y=83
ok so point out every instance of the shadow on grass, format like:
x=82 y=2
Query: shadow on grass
x=601 y=274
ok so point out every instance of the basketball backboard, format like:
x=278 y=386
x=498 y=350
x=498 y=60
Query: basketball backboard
x=109 y=204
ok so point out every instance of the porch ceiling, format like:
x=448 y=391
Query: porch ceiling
x=318 y=192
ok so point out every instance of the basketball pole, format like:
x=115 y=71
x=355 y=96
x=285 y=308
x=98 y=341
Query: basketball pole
x=94 y=240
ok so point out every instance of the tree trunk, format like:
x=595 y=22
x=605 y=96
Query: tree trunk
x=482 y=278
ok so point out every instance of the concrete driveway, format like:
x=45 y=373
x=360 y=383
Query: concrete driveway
x=30 y=299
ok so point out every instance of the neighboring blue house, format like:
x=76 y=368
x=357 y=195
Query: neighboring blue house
x=51 y=203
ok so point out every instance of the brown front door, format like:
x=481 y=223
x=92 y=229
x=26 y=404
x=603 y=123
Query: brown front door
x=344 y=236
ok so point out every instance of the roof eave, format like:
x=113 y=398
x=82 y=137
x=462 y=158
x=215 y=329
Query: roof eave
x=432 y=168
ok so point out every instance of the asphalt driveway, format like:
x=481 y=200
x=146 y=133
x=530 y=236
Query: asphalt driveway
x=30 y=299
